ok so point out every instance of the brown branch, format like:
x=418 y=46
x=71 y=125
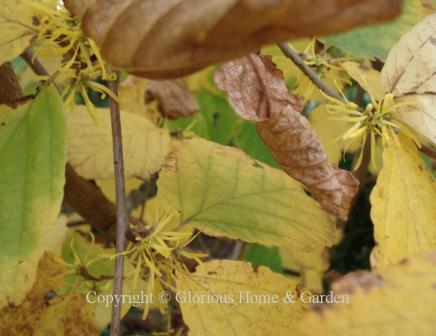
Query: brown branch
x=10 y=90
x=34 y=63
x=90 y=203
x=122 y=218
x=293 y=55
x=429 y=152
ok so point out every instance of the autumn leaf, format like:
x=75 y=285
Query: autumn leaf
x=403 y=205
x=227 y=279
x=368 y=78
x=258 y=93
x=214 y=186
x=174 y=99
x=131 y=95
x=90 y=144
x=189 y=35
x=68 y=314
x=410 y=73
x=22 y=318
x=310 y=265
x=32 y=152
x=400 y=301
x=17 y=18
x=255 y=88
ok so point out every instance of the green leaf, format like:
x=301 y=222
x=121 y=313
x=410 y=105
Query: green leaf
x=260 y=255
x=216 y=120
x=224 y=192
x=33 y=158
x=377 y=40
x=249 y=141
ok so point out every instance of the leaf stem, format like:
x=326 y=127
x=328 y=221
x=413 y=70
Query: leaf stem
x=122 y=218
x=293 y=55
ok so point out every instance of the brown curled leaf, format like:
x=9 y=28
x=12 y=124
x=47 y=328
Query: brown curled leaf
x=173 y=98
x=171 y=38
x=286 y=132
x=255 y=87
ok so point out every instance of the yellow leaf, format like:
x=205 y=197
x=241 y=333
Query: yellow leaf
x=403 y=205
x=311 y=266
x=21 y=320
x=368 y=78
x=410 y=72
x=67 y=315
x=90 y=144
x=108 y=187
x=222 y=191
x=236 y=286
x=132 y=95
x=16 y=21
x=401 y=301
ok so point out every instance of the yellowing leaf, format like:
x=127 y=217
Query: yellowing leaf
x=410 y=72
x=32 y=169
x=131 y=94
x=368 y=78
x=224 y=192
x=22 y=319
x=400 y=302
x=16 y=22
x=188 y=35
x=403 y=205
x=42 y=314
x=90 y=144
x=108 y=187
x=233 y=314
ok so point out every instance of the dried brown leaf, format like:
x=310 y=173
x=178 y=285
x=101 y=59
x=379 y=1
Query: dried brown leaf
x=255 y=87
x=170 y=38
x=263 y=98
x=174 y=99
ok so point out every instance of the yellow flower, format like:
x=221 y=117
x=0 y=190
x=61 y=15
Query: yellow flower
x=60 y=34
x=376 y=120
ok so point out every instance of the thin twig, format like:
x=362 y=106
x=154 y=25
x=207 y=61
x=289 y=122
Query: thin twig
x=29 y=56
x=122 y=218
x=293 y=55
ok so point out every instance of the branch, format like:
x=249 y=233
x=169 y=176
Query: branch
x=10 y=90
x=122 y=218
x=36 y=66
x=293 y=55
x=90 y=203
x=429 y=152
